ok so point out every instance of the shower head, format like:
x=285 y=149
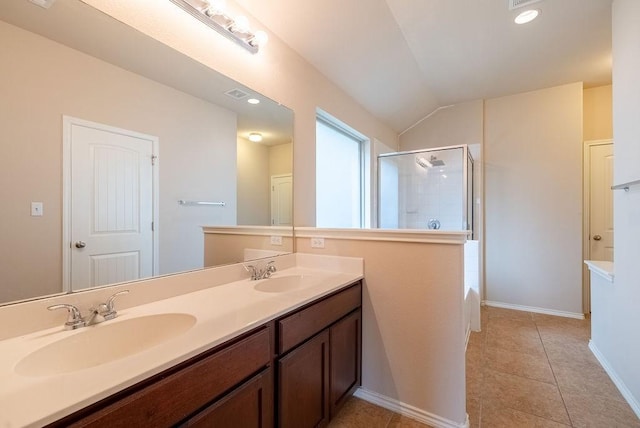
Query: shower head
x=433 y=161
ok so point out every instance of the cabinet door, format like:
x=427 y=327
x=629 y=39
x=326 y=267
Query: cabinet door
x=303 y=394
x=248 y=406
x=346 y=355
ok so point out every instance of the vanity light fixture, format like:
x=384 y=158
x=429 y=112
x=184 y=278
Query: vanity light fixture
x=46 y=4
x=527 y=16
x=213 y=14
x=255 y=137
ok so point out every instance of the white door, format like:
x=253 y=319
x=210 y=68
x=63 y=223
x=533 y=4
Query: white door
x=281 y=200
x=110 y=198
x=601 y=202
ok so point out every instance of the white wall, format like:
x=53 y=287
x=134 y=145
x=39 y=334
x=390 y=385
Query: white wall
x=533 y=199
x=413 y=326
x=620 y=346
x=452 y=125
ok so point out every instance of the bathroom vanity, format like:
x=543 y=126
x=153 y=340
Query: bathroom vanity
x=285 y=352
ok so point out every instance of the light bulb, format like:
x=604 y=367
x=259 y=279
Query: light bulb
x=255 y=137
x=240 y=24
x=216 y=7
x=260 y=38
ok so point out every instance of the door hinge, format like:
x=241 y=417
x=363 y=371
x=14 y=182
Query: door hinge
x=153 y=159
x=153 y=227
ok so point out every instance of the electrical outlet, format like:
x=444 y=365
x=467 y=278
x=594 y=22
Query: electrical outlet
x=317 y=242
x=36 y=209
x=276 y=240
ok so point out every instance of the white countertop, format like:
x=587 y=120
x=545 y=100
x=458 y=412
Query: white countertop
x=222 y=312
x=602 y=268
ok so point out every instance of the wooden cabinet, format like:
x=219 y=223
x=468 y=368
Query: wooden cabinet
x=293 y=372
x=176 y=394
x=302 y=384
x=320 y=359
x=346 y=359
x=248 y=406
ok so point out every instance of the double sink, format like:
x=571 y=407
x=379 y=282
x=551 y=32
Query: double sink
x=113 y=340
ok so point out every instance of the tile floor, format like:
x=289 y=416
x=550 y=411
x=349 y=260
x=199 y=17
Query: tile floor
x=358 y=413
x=523 y=370
x=533 y=370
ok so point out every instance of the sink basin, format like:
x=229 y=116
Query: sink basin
x=280 y=284
x=103 y=343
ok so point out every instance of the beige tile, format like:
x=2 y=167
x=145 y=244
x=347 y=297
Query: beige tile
x=571 y=352
x=585 y=379
x=473 y=410
x=502 y=417
x=544 y=319
x=358 y=413
x=525 y=340
x=558 y=333
x=511 y=325
x=474 y=381
x=597 y=411
x=532 y=366
x=493 y=312
x=399 y=421
x=526 y=395
x=477 y=339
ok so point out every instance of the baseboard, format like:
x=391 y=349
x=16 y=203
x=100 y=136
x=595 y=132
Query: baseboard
x=534 y=309
x=626 y=393
x=408 y=411
x=467 y=336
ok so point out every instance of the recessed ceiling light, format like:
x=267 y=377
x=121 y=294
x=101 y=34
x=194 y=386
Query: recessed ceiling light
x=255 y=137
x=527 y=16
x=253 y=101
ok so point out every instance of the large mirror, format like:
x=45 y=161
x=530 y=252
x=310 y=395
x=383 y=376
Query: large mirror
x=116 y=151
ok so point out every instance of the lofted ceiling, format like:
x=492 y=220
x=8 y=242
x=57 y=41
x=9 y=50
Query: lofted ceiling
x=402 y=59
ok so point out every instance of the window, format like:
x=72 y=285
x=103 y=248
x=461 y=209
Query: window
x=339 y=175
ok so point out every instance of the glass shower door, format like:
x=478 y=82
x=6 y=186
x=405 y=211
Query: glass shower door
x=424 y=189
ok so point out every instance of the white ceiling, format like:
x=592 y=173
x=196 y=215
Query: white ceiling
x=401 y=59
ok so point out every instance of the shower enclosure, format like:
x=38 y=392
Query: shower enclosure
x=426 y=189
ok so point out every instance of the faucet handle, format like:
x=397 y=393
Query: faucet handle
x=74 y=320
x=107 y=310
x=252 y=270
x=270 y=269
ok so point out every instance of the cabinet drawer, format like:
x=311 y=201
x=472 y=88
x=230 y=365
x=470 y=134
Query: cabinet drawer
x=248 y=406
x=303 y=324
x=176 y=396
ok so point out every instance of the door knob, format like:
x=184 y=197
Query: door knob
x=597 y=237
x=81 y=244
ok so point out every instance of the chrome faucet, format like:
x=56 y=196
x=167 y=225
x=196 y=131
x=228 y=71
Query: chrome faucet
x=102 y=312
x=261 y=272
x=107 y=310
x=75 y=319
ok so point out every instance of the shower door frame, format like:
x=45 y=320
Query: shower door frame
x=466 y=156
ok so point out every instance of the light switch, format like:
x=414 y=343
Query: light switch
x=36 y=209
